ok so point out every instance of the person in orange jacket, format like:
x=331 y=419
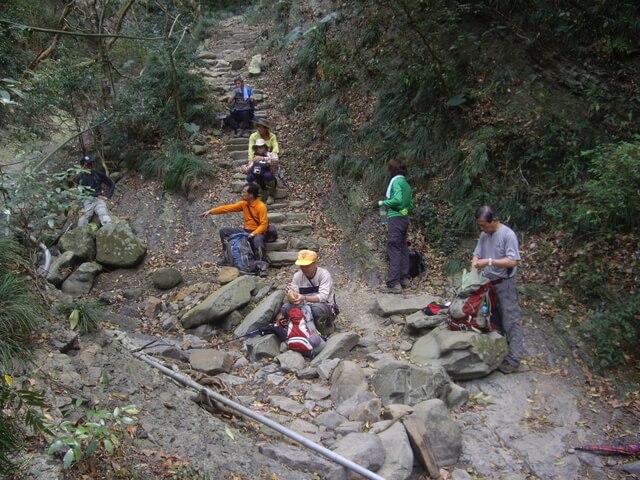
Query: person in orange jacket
x=256 y=221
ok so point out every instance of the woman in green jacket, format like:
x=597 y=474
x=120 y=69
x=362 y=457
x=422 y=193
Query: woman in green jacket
x=398 y=204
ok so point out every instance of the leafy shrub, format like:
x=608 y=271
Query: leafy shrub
x=100 y=433
x=610 y=196
x=20 y=408
x=145 y=109
x=38 y=202
x=85 y=315
x=587 y=276
x=614 y=330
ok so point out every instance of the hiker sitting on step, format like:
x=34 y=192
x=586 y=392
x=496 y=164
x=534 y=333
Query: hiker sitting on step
x=242 y=107
x=264 y=132
x=312 y=285
x=95 y=181
x=256 y=222
x=261 y=169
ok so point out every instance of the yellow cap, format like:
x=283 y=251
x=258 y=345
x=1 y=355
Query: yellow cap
x=306 y=257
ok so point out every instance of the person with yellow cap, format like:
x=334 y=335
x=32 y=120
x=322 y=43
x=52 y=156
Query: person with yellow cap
x=312 y=285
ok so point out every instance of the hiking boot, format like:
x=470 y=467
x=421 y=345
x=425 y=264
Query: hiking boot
x=405 y=283
x=506 y=368
x=271 y=192
x=394 y=289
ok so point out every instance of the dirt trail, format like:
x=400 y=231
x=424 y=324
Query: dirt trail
x=521 y=426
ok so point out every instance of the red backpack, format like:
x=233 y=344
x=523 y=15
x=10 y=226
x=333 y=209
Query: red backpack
x=466 y=311
x=302 y=336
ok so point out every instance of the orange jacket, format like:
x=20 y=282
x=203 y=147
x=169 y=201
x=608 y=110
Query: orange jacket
x=258 y=209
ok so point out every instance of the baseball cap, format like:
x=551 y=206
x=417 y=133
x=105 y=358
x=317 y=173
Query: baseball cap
x=260 y=143
x=306 y=257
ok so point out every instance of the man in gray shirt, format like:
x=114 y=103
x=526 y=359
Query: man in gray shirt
x=498 y=254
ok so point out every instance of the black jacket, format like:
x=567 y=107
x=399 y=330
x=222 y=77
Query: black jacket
x=95 y=180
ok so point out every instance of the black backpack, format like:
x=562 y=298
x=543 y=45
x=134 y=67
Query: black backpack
x=416 y=264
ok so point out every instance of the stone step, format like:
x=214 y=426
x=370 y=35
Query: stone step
x=238 y=148
x=239 y=141
x=240 y=155
x=238 y=163
x=278 y=206
x=297 y=216
x=237 y=187
x=239 y=176
x=282 y=258
x=277 y=246
x=304 y=243
x=303 y=228
x=277 y=217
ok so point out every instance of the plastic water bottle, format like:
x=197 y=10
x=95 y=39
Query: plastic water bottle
x=484 y=310
x=383 y=215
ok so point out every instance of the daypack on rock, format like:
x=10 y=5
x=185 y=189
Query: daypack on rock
x=302 y=335
x=416 y=264
x=238 y=253
x=466 y=311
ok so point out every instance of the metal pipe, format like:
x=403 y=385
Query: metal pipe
x=334 y=457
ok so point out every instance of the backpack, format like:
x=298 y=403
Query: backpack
x=238 y=253
x=302 y=335
x=465 y=311
x=416 y=264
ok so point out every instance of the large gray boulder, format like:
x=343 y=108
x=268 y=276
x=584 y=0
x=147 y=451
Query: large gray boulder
x=398 y=458
x=362 y=407
x=400 y=382
x=211 y=361
x=260 y=347
x=387 y=305
x=464 y=355
x=347 y=380
x=365 y=449
x=445 y=434
x=221 y=302
x=118 y=246
x=81 y=241
x=338 y=346
x=80 y=282
x=263 y=314
x=61 y=268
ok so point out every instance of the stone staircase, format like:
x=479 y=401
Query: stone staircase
x=226 y=57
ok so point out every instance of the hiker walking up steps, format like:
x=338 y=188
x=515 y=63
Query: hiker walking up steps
x=497 y=252
x=398 y=204
x=256 y=222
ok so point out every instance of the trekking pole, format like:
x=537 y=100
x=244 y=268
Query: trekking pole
x=262 y=331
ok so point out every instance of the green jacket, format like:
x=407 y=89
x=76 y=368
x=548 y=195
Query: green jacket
x=401 y=200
